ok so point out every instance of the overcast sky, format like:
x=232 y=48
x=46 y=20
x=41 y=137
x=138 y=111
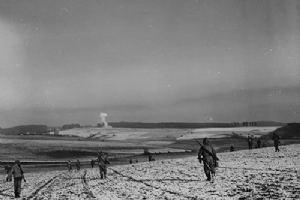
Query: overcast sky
x=64 y=61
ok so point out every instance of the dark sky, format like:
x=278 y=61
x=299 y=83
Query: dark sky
x=66 y=61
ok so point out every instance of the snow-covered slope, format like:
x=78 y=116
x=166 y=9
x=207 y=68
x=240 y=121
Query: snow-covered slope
x=226 y=132
x=256 y=174
x=121 y=134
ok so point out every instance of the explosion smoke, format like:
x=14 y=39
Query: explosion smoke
x=103 y=119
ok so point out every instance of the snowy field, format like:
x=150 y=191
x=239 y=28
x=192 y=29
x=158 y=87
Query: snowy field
x=121 y=134
x=256 y=174
x=227 y=132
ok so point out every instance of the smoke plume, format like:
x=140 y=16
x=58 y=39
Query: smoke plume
x=103 y=119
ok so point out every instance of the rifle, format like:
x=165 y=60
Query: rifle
x=104 y=160
x=199 y=158
x=24 y=178
x=22 y=172
x=210 y=153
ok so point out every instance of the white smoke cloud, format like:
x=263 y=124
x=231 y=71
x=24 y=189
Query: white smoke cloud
x=103 y=119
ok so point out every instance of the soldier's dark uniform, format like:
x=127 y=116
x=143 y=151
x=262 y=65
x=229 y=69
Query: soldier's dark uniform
x=150 y=158
x=69 y=165
x=78 y=165
x=258 y=143
x=250 y=142
x=7 y=170
x=276 y=142
x=102 y=162
x=208 y=154
x=18 y=174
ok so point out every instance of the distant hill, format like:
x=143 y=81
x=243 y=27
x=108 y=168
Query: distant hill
x=183 y=125
x=25 y=129
x=289 y=131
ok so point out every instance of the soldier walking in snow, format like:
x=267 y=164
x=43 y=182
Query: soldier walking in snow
x=7 y=170
x=258 y=142
x=275 y=138
x=78 y=165
x=150 y=157
x=102 y=162
x=250 y=141
x=69 y=165
x=207 y=154
x=18 y=174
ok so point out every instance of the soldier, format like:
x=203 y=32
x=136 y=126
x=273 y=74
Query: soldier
x=92 y=163
x=69 y=165
x=18 y=174
x=102 y=161
x=78 y=165
x=275 y=138
x=208 y=154
x=250 y=142
x=130 y=161
x=258 y=142
x=150 y=158
x=231 y=148
x=7 y=170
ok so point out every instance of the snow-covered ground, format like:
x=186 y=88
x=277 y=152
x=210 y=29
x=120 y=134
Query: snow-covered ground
x=225 y=132
x=257 y=174
x=141 y=151
x=121 y=134
x=107 y=133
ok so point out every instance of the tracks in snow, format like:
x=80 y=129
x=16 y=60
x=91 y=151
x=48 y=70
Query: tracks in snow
x=156 y=187
x=47 y=185
x=5 y=195
x=86 y=186
x=33 y=195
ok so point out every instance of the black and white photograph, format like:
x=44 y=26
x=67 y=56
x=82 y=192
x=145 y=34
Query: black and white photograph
x=149 y=99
